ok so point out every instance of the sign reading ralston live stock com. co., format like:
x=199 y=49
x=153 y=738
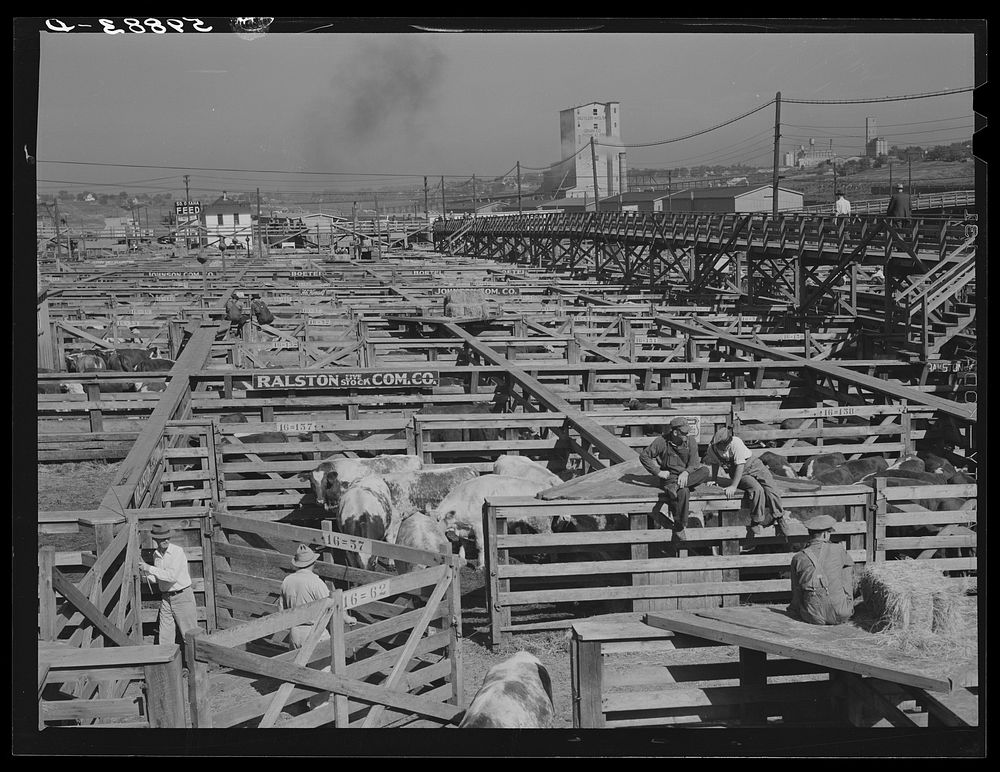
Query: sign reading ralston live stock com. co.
x=348 y=380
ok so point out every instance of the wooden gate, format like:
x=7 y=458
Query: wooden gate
x=394 y=647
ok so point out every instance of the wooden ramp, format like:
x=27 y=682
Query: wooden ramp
x=847 y=647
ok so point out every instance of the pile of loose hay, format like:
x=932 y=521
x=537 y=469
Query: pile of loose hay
x=467 y=303
x=917 y=608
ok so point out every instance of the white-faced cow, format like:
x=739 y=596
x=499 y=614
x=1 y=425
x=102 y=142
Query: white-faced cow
x=158 y=365
x=777 y=464
x=85 y=362
x=516 y=694
x=461 y=512
x=333 y=476
x=821 y=463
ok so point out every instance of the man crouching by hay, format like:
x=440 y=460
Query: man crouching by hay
x=822 y=577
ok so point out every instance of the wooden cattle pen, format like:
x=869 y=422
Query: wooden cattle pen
x=589 y=342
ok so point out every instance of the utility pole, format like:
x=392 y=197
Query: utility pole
x=357 y=238
x=474 y=207
x=378 y=228
x=593 y=169
x=187 y=198
x=519 y=187
x=444 y=207
x=834 y=179
x=909 y=171
x=427 y=211
x=777 y=140
x=890 y=176
x=670 y=203
x=59 y=239
x=260 y=239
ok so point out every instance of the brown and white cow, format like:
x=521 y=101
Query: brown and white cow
x=777 y=464
x=85 y=362
x=365 y=510
x=461 y=512
x=852 y=471
x=516 y=694
x=821 y=463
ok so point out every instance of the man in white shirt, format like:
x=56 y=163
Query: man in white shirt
x=300 y=588
x=170 y=569
x=747 y=474
x=843 y=206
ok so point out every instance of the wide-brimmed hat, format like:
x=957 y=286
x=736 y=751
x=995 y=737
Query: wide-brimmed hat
x=678 y=422
x=304 y=557
x=238 y=294
x=899 y=186
x=161 y=531
x=820 y=523
x=722 y=436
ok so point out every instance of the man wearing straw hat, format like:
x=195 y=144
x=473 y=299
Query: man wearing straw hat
x=822 y=577
x=747 y=473
x=673 y=458
x=302 y=587
x=170 y=568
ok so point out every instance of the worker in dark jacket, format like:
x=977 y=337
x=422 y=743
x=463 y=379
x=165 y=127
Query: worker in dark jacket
x=260 y=310
x=234 y=312
x=673 y=458
x=899 y=204
x=822 y=577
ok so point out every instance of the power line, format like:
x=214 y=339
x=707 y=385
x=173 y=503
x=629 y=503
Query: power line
x=883 y=125
x=901 y=98
x=697 y=133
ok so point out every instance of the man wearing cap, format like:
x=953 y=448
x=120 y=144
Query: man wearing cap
x=260 y=310
x=673 y=458
x=822 y=577
x=747 y=474
x=170 y=569
x=843 y=206
x=302 y=587
x=234 y=311
x=899 y=204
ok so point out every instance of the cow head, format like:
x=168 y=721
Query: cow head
x=326 y=486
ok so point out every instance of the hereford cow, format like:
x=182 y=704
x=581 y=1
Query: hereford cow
x=461 y=512
x=421 y=532
x=821 y=463
x=126 y=359
x=516 y=694
x=526 y=469
x=157 y=365
x=930 y=478
x=933 y=463
x=85 y=362
x=334 y=475
x=852 y=471
x=909 y=463
x=777 y=464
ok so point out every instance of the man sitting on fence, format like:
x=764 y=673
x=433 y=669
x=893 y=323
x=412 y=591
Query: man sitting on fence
x=673 y=458
x=822 y=577
x=234 y=312
x=299 y=588
x=260 y=310
x=748 y=474
x=170 y=569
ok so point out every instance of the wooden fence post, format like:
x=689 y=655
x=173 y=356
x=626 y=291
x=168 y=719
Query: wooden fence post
x=586 y=671
x=639 y=521
x=455 y=628
x=876 y=521
x=164 y=694
x=199 y=686
x=46 y=595
x=338 y=653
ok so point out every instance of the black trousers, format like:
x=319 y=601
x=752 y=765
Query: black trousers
x=679 y=496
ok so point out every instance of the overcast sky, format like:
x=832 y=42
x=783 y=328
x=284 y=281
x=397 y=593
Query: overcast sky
x=458 y=104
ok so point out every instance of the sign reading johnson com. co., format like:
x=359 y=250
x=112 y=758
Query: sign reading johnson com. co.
x=348 y=380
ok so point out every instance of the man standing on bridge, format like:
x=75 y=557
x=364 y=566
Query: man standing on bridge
x=747 y=474
x=843 y=206
x=822 y=577
x=673 y=458
x=899 y=204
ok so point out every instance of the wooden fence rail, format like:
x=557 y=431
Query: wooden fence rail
x=636 y=565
